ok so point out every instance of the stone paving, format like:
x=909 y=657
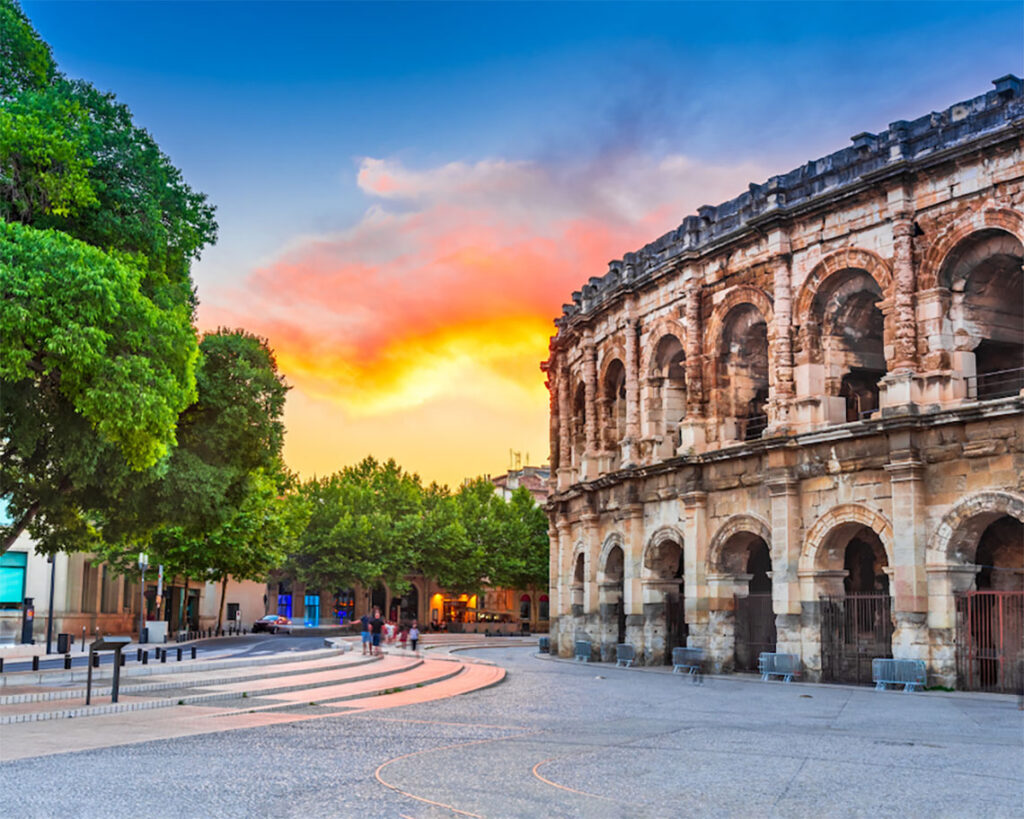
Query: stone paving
x=563 y=739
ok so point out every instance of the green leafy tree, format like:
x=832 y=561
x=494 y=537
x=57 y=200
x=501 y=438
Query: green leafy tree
x=97 y=353
x=365 y=526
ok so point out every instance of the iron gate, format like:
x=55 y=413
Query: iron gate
x=990 y=641
x=755 y=629
x=676 y=630
x=620 y=616
x=855 y=629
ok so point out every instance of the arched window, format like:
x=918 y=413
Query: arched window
x=667 y=397
x=743 y=371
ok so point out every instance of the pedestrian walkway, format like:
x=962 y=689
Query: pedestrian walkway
x=223 y=695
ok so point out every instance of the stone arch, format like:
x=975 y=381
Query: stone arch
x=654 y=551
x=849 y=259
x=737 y=524
x=580 y=549
x=956 y=536
x=743 y=294
x=972 y=221
x=655 y=333
x=844 y=514
x=613 y=541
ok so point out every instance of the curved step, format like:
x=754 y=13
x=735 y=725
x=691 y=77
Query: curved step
x=469 y=678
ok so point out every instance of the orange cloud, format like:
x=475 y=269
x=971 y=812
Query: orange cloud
x=446 y=289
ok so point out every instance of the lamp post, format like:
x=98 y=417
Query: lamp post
x=49 y=617
x=143 y=564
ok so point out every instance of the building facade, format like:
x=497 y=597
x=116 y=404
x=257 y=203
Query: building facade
x=796 y=422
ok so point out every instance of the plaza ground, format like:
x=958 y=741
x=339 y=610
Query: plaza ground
x=563 y=739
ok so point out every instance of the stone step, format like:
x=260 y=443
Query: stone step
x=327 y=680
x=22 y=694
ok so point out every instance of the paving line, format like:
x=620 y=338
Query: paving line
x=546 y=781
x=424 y=799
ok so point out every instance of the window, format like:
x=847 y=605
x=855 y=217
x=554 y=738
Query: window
x=12 y=579
x=544 y=613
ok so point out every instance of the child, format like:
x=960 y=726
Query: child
x=414 y=635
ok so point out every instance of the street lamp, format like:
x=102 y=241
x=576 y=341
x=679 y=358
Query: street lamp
x=49 y=617
x=143 y=564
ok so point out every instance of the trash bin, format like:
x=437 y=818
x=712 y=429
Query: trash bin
x=63 y=643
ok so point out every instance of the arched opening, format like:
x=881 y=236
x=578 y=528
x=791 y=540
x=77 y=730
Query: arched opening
x=612 y=607
x=613 y=403
x=543 y=608
x=406 y=608
x=856 y=624
x=667 y=397
x=578 y=574
x=743 y=371
x=579 y=427
x=991 y=617
x=984 y=274
x=852 y=340
x=524 y=608
x=379 y=599
x=665 y=624
x=745 y=611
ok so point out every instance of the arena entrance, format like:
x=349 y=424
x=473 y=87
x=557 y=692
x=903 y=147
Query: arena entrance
x=990 y=618
x=755 y=616
x=856 y=627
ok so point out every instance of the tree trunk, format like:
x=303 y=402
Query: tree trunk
x=19 y=527
x=223 y=595
x=183 y=618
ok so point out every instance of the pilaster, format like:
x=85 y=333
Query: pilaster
x=695 y=558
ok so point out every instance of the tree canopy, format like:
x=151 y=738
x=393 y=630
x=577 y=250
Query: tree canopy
x=97 y=350
x=375 y=522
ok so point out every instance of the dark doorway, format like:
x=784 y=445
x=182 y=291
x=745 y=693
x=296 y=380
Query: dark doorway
x=755 y=616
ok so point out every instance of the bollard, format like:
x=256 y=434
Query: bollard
x=163 y=655
x=179 y=654
x=83 y=638
x=1 y=665
x=123 y=658
x=138 y=655
x=145 y=657
x=67 y=662
x=95 y=660
x=193 y=652
x=35 y=663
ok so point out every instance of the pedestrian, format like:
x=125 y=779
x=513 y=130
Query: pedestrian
x=414 y=635
x=365 y=634
x=376 y=626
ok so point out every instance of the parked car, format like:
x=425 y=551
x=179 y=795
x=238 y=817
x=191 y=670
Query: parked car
x=272 y=623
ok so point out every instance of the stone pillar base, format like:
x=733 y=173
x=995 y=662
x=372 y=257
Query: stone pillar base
x=810 y=640
x=942 y=668
x=910 y=639
x=635 y=635
x=721 y=641
x=788 y=634
x=653 y=634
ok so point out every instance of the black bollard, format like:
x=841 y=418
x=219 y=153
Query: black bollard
x=67 y=662
x=95 y=660
x=193 y=652
x=138 y=655
x=35 y=663
x=163 y=655
x=179 y=655
x=123 y=658
x=1 y=665
x=145 y=657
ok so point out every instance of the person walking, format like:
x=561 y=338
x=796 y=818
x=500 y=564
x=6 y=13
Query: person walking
x=414 y=635
x=365 y=633
x=376 y=627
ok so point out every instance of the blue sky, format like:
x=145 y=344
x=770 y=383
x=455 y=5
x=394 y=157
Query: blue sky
x=311 y=124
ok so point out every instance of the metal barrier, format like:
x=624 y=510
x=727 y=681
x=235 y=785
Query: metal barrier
x=582 y=652
x=544 y=645
x=907 y=673
x=625 y=655
x=690 y=660
x=772 y=664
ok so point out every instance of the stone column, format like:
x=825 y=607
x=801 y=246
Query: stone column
x=945 y=582
x=787 y=540
x=632 y=439
x=590 y=397
x=562 y=625
x=783 y=388
x=564 y=475
x=897 y=387
x=909 y=576
x=695 y=559
x=905 y=352
x=692 y=431
x=589 y=620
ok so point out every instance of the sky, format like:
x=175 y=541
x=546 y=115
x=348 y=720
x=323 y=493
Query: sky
x=408 y=192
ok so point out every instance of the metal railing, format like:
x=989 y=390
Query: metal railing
x=772 y=664
x=908 y=673
x=625 y=655
x=995 y=384
x=753 y=427
x=583 y=650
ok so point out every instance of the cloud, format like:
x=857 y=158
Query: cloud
x=446 y=288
